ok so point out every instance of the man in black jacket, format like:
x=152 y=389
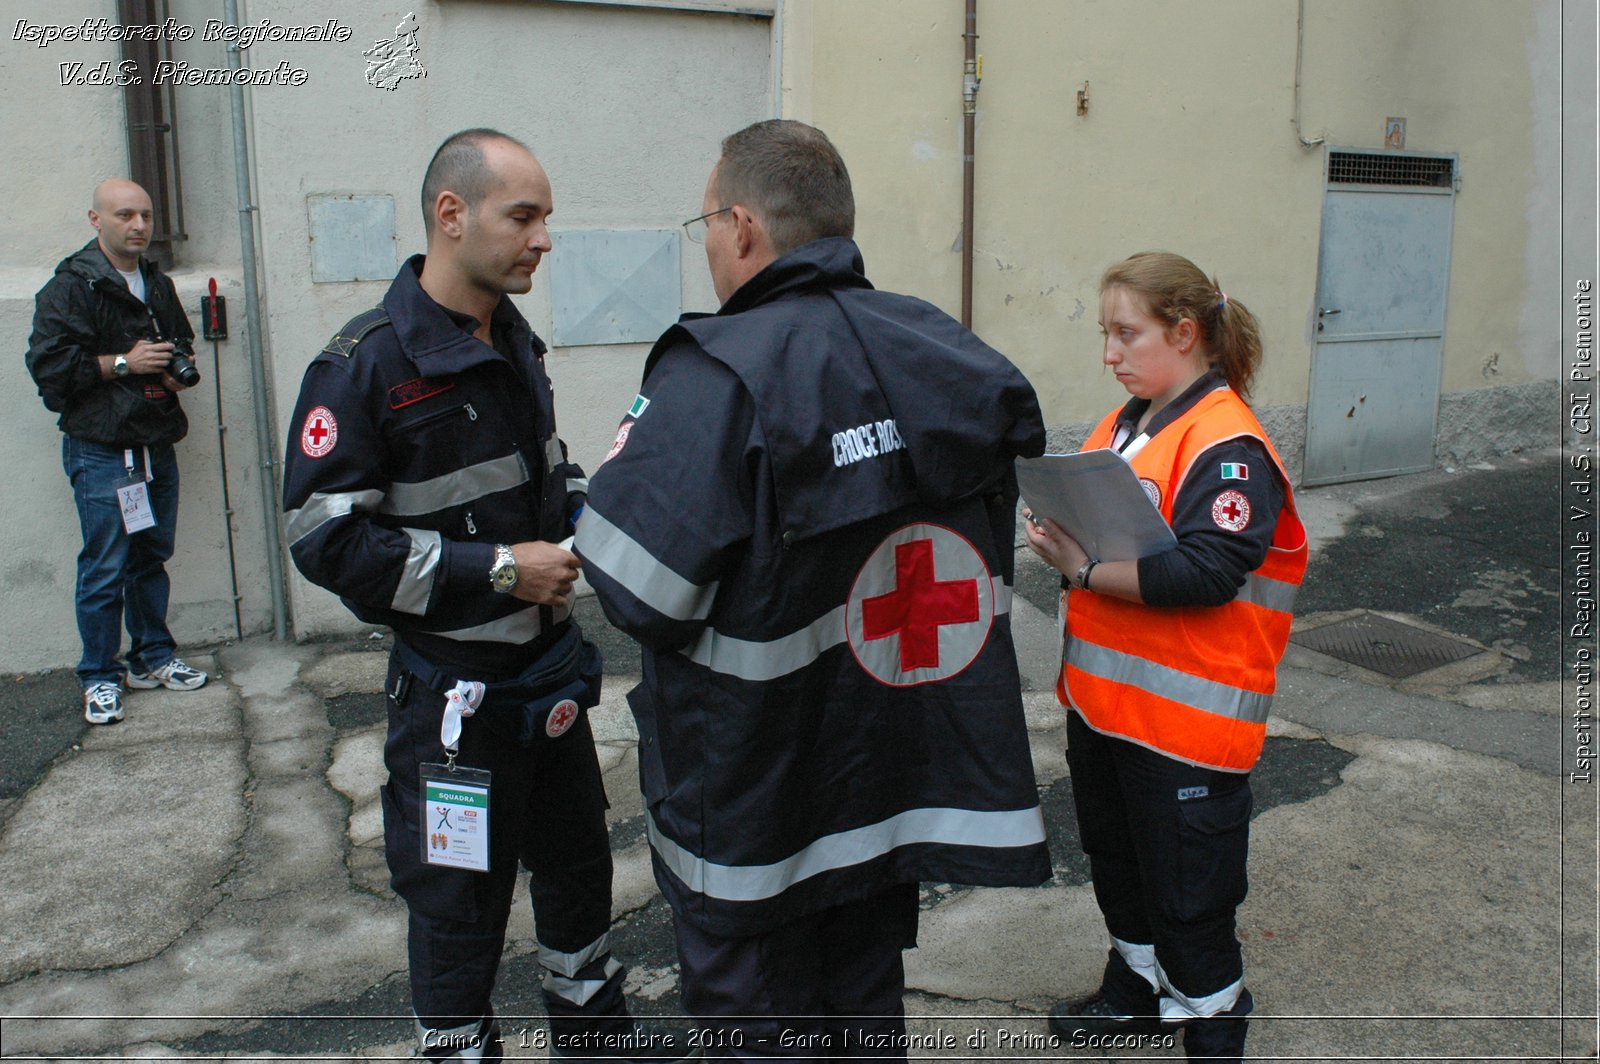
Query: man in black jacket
x=426 y=485
x=105 y=328
x=806 y=522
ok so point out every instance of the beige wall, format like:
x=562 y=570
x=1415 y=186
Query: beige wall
x=63 y=140
x=625 y=106
x=1188 y=145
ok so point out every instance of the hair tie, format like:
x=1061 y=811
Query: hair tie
x=1222 y=299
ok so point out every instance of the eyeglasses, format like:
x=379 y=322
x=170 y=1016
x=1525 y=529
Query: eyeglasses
x=696 y=227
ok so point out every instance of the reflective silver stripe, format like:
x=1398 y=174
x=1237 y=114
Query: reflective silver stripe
x=755 y=661
x=454 y=489
x=758 y=661
x=578 y=484
x=1268 y=593
x=1140 y=958
x=579 y=991
x=323 y=507
x=948 y=827
x=618 y=555
x=569 y=964
x=1130 y=669
x=1176 y=1006
x=552 y=453
x=515 y=628
x=416 y=579
x=1002 y=596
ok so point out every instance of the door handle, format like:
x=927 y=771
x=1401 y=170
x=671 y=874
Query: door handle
x=1325 y=312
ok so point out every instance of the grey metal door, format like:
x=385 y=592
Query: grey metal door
x=1382 y=276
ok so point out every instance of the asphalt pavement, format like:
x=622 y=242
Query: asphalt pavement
x=205 y=880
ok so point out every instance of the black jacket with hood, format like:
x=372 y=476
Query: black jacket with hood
x=85 y=311
x=807 y=521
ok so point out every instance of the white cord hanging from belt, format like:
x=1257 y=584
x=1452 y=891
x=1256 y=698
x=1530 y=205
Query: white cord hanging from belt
x=460 y=701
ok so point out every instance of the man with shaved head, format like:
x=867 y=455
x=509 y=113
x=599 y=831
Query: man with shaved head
x=104 y=331
x=425 y=485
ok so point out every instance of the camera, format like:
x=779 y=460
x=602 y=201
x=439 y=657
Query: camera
x=182 y=367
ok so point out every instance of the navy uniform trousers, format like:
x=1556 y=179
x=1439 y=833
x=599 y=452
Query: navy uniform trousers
x=547 y=810
x=1167 y=844
x=828 y=986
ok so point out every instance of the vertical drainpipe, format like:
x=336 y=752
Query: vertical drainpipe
x=266 y=445
x=969 y=112
x=777 y=59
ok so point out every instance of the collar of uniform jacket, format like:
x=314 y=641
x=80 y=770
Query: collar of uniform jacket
x=957 y=411
x=438 y=340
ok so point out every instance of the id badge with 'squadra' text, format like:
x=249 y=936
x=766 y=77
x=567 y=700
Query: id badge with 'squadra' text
x=455 y=817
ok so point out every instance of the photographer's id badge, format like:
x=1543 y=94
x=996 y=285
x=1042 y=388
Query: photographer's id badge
x=455 y=817
x=134 y=500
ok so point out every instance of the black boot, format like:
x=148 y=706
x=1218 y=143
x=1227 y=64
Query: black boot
x=1219 y=1038
x=1125 y=1003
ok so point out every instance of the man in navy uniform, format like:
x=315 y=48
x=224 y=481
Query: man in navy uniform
x=426 y=485
x=807 y=521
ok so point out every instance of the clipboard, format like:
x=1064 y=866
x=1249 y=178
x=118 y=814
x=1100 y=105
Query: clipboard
x=1096 y=497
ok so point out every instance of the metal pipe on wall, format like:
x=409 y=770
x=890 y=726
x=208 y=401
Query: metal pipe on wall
x=266 y=444
x=969 y=129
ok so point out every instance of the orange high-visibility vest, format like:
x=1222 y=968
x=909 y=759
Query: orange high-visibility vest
x=1193 y=682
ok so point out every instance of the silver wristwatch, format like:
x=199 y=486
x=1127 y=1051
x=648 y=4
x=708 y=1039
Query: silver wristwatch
x=119 y=366
x=503 y=577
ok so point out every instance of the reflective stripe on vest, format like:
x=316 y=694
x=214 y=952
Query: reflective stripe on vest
x=1192 y=682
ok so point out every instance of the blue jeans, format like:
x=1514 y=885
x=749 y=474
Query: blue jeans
x=121 y=575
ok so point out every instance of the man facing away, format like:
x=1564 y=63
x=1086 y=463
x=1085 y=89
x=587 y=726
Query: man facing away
x=105 y=328
x=427 y=486
x=807 y=521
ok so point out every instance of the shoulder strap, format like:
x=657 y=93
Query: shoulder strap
x=354 y=331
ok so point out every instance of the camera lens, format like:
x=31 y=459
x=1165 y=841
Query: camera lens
x=183 y=370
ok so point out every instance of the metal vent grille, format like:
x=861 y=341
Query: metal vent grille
x=1413 y=171
x=1383 y=645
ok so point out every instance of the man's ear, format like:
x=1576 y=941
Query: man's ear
x=94 y=219
x=449 y=213
x=746 y=230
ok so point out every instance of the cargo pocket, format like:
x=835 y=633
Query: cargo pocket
x=431 y=890
x=1214 y=844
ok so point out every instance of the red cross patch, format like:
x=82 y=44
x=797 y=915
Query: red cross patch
x=319 y=433
x=620 y=442
x=1231 y=511
x=562 y=714
x=921 y=607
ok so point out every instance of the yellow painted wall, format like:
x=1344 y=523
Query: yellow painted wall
x=1189 y=145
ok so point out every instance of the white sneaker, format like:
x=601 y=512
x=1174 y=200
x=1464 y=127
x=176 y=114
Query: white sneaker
x=174 y=676
x=102 y=703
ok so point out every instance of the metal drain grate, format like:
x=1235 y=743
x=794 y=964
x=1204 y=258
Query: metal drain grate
x=1383 y=645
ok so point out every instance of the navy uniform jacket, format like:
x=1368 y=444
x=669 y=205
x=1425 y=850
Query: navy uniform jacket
x=413 y=450
x=807 y=521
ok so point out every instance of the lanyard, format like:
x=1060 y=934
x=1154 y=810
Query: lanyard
x=127 y=463
x=460 y=701
x=1127 y=448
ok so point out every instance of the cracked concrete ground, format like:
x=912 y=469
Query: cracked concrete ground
x=206 y=880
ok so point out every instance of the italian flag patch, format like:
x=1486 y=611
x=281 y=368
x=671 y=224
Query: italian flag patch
x=639 y=403
x=1235 y=471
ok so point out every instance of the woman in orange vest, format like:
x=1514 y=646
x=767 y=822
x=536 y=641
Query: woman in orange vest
x=1169 y=661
